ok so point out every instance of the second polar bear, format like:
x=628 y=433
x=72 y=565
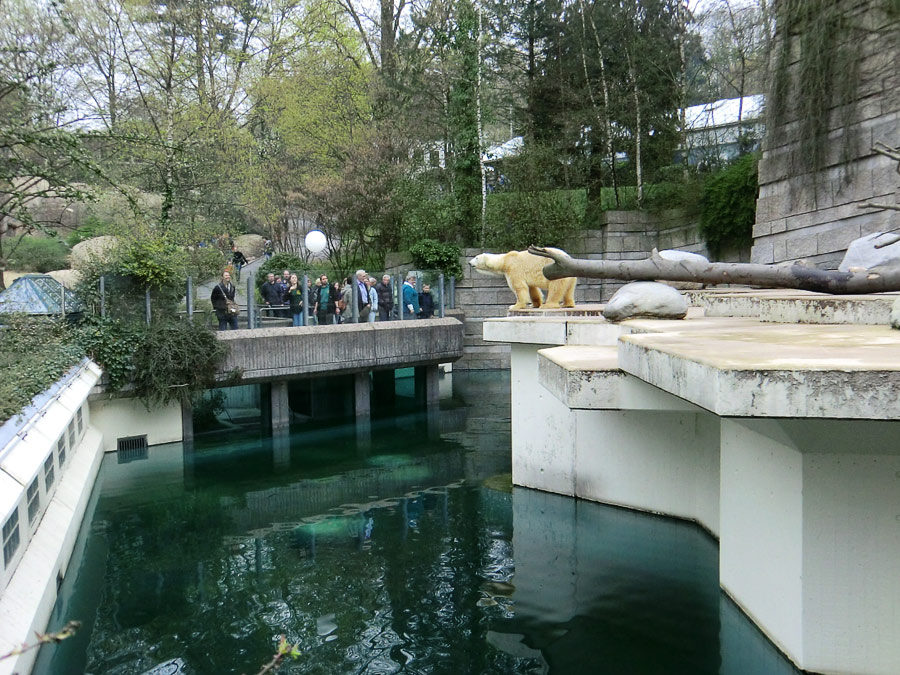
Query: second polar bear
x=525 y=277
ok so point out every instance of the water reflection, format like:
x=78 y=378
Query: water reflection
x=399 y=559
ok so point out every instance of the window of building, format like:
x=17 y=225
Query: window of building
x=48 y=473
x=80 y=418
x=72 y=434
x=61 y=450
x=10 y=537
x=34 y=500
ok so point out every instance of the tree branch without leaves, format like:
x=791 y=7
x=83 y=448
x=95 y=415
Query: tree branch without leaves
x=656 y=268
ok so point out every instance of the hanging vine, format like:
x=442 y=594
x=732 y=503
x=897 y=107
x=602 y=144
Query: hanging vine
x=815 y=78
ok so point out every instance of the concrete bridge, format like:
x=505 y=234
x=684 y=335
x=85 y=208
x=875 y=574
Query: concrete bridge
x=369 y=352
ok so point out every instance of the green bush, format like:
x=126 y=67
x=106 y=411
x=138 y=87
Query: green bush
x=434 y=255
x=516 y=220
x=38 y=254
x=278 y=263
x=92 y=227
x=728 y=205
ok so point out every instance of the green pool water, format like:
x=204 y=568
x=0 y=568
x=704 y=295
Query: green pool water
x=399 y=548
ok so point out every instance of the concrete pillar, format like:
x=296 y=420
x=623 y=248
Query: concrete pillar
x=362 y=400
x=428 y=384
x=187 y=422
x=280 y=410
x=384 y=388
x=810 y=537
x=281 y=448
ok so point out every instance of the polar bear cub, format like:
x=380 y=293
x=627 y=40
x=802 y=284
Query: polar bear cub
x=525 y=277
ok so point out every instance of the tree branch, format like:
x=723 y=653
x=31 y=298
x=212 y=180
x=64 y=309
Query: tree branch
x=656 y=268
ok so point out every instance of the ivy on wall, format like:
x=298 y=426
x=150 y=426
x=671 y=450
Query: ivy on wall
x=728 y=206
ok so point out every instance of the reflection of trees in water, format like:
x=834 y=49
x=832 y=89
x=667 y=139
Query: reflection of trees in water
x=403 y=582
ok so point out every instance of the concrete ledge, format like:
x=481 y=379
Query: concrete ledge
x=589 y=378
x=737 y=370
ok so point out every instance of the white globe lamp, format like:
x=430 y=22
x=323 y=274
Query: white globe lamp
x=315 y=241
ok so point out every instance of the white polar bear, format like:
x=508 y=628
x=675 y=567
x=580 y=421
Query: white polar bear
x=525 y=277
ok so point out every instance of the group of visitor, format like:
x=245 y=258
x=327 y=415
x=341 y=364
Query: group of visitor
x=329 y=303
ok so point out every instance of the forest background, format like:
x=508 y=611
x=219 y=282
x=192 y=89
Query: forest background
x=178 y=122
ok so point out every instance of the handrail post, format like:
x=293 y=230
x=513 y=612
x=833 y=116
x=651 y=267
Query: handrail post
x=189 y=307
x=147 y=303
x=400 y=307
x=102 y=297
x=250 y=301
x=441 y=286
x=304 y=289
x=452 y=291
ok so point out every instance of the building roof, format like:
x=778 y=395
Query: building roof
x=724 y=112
x=38 y=294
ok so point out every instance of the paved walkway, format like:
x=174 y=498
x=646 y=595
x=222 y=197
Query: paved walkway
x=204 y=289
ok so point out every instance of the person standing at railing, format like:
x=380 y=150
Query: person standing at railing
x=373 y=299
x=272 y=293
x=294 y=298
x=222 y=299
x=426 y=303
x=385 y=298
x=410 y=297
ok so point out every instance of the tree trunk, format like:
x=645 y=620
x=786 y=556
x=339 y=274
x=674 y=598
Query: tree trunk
x=656 y=268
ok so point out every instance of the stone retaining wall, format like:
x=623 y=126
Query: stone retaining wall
x=816 y=216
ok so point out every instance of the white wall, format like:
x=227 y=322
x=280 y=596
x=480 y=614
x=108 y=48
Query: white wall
x=123 y=417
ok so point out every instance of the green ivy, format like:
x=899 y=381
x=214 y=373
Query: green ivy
x=175 y=361
x=434 y=255
x=34 y=353
x=728 y=205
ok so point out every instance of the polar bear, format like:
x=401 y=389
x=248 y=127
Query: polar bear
x=525 y=277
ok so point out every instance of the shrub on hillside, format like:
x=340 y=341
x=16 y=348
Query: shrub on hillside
x=516 y=220
x=38 y=254
x=278 y=263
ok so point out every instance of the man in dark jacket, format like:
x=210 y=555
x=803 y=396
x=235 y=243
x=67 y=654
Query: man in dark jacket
x=328 y=297
x=222 y=293
x=385 y=298
x=271 y=292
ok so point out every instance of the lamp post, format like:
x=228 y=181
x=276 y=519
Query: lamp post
x=315 y=243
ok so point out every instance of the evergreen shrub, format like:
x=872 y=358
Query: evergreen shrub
x=728 y=205
x=430 y=254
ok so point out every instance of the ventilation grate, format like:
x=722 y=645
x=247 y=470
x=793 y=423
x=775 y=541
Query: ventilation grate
x=131 y=448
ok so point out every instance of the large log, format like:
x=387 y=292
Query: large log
x=656 y=268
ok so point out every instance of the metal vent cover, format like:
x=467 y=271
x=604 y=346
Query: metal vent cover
x=131 y=448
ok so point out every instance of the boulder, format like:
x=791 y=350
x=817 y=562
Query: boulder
x=68 y=278
x=645 y=299
x=862 y=254
x=91 y=248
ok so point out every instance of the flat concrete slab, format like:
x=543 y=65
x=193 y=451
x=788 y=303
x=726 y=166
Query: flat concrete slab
x=736 y=367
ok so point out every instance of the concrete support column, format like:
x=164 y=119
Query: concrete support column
x=810 y=537
x=384 y=388
x=281 y=448
x=280 y=410
x=362 y=400
x=428 y=384
x=187 y=422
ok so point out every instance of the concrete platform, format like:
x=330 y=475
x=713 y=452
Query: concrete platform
x=779 y=438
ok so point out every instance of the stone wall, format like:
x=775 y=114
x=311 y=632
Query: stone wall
x=815 y=216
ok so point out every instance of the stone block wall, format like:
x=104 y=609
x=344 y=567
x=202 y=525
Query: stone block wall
x=815 y=216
